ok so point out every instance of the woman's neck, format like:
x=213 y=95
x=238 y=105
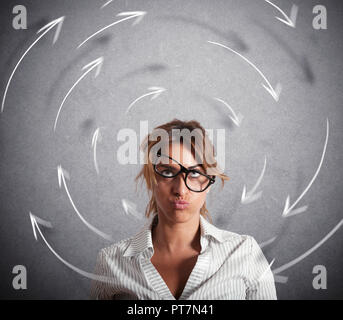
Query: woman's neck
x=172 y=238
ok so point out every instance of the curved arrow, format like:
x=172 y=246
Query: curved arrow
x=155 y=93
x=275 y=93
x=131 y=14
x=308 y=252
x=97 y=63
x=34 y=221
x=55 y=23
x=287 y=211
x=290 y=21
x=248 y=197
x=236 y=119
x=61 y=173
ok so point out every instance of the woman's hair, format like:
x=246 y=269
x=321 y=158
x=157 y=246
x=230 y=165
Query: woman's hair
x=209 y=162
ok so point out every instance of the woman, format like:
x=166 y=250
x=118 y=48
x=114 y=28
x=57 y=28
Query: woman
x=179 y=254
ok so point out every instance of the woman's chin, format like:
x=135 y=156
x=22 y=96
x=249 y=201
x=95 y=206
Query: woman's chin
x=178 y=215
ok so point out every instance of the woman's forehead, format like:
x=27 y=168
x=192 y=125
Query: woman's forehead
x=180 y=153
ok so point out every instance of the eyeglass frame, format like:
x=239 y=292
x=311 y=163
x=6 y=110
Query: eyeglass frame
x=186 y=171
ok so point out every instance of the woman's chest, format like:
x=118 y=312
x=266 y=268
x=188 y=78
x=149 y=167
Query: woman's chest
x=175 y=271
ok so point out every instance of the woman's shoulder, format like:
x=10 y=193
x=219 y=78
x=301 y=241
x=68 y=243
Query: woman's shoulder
x=121 y=247
x=235 y=237
x=223 y=235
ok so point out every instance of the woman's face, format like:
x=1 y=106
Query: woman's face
x=168 y=190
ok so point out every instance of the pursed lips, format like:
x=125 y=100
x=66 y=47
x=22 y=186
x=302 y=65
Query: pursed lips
x=180 y=204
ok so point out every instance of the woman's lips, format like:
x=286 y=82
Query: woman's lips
x=180 y=204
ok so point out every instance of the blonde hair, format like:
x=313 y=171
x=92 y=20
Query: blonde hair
x=147 y=172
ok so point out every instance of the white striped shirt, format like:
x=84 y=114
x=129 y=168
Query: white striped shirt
x=229 y=267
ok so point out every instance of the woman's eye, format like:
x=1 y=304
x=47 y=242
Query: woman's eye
x=167 y=173
x=195 y=174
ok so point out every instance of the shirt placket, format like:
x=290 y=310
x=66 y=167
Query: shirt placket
x=198 y=273
x=196 y=277
x=154 y=278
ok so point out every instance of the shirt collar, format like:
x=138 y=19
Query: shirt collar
x=142 y=241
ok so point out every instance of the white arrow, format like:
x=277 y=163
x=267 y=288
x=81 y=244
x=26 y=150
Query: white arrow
x=291 y=20
x=287 y=211
x=248 y=197
x=94 y=144
x=34 y=221
x=275 y=93
x=130 y=15
x=155 y=93
x=61 y=177
x=97 y=63
x=55 y=23
x=236 y=119
x=130 y=209
x=308 y=252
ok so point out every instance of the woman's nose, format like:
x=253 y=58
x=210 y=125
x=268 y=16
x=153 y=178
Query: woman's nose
x=179 y=185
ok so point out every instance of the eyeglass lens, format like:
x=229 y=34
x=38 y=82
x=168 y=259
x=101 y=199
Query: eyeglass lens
x=195 y=180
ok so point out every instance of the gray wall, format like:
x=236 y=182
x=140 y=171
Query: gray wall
x=169 y=48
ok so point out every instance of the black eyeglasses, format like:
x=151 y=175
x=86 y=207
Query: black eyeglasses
x=195 y=180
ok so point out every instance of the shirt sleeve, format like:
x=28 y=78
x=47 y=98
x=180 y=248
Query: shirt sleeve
x=101 y=289
x=261 y=285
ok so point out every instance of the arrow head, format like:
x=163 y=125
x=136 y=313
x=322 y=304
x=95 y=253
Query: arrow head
x=237 y=120
x=288 y=22
x=248 y=198
x=287 y=211
x=97 y=63
x=291 y=20
x=157 y=91
x=34 y=222
x=52 y=24
x=62 y=174
x=275 y=93
x=296 y=211
x=133 y=14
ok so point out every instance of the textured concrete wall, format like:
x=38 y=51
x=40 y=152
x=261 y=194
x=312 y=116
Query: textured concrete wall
x=169 y=48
